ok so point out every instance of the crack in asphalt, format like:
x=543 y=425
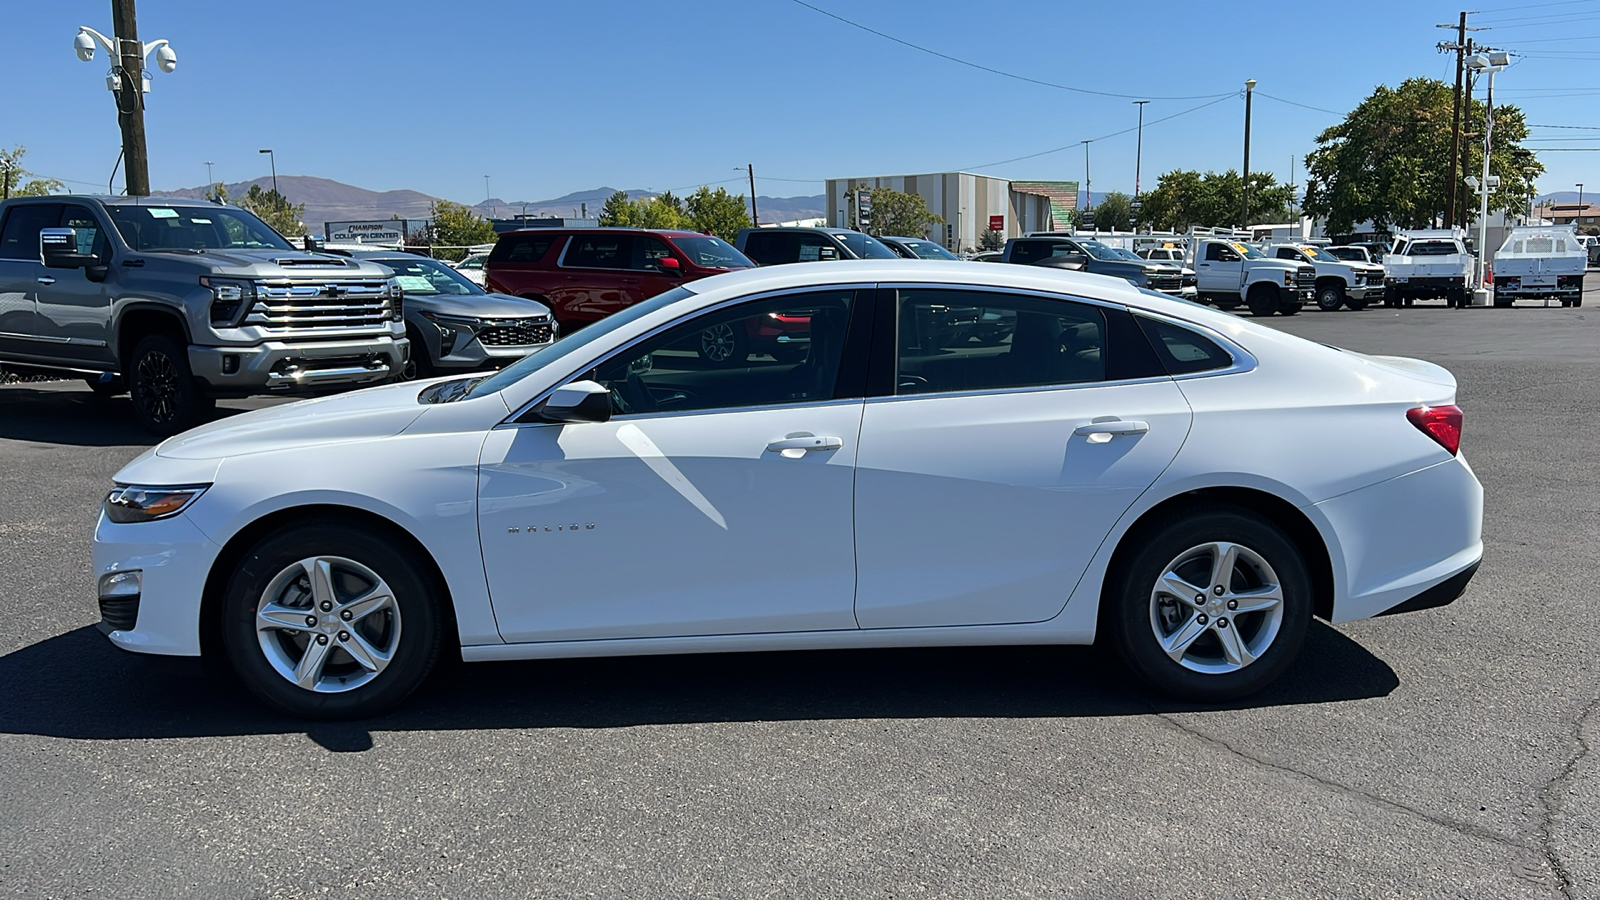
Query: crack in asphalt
x=1548 y=802
x=1462 y=828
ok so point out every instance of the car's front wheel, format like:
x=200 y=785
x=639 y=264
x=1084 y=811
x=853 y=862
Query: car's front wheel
x=165 y=396
x=330 y=622
x=1211 y=607
x=1330 y=298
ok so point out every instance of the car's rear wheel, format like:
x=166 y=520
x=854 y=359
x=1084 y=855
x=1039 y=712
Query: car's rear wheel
x=1262 y=300
x=330 y=622
x=1211 y=607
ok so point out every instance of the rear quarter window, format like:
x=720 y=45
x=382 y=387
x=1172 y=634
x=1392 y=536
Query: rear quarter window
x=1183 y=351
x=522 y=248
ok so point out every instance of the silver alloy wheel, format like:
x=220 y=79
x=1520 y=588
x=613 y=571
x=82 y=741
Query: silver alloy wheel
x=328 y=624
x=1216 y=608
x=717 y=342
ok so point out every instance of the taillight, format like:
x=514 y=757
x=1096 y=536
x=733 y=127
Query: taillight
x=1442 y=423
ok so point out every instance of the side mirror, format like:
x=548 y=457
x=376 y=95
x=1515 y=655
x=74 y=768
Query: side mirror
x=578 y=401
x=670 y=265
x=58 y=248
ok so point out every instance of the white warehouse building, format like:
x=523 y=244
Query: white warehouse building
x=969 y=204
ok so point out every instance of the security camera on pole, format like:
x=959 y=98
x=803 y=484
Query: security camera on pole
x=128 y=83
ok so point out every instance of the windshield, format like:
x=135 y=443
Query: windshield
x=712 y=253
x=573 y=343
x=866 y=247
x=420 y=276
x=193 y=228
x=1098 y=250
x=928 y=250
x=1319 y=254
x=1127 y=254
x=1248 y=252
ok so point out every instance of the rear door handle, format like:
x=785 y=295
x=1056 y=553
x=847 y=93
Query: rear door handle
x=45 y=279
x=1111 y=428
x=796 y=447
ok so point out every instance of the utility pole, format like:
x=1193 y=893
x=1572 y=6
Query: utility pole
x=1138 y=161
x=1463 y=48
x=1244 y=207
x=1088 y=189
x=755 y=221
x=130 y=97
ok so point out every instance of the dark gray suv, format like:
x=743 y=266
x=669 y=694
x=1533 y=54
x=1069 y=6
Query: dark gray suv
x=775 y=246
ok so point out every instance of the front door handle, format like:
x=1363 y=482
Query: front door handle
x=45 y=279
x=796 y=447
x=1111 y=428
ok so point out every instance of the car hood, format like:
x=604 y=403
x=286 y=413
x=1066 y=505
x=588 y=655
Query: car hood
x=479 y=306
x=276 y=263
x=369 y=414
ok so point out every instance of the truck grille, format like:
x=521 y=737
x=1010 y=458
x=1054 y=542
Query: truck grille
x=515 y=332
x=1166 y=284
x=318 y=305
x=1305 y=278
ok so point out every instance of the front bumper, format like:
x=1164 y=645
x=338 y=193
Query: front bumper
x=173 y=558
x=281 y=366
x=1363 y=292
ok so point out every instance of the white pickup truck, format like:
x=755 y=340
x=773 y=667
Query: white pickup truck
x=1538 y=262
x=1339 y=282
x=1230 y=272
x=1427 y=265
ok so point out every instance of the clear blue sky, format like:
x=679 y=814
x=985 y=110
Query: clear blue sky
x=550 y=97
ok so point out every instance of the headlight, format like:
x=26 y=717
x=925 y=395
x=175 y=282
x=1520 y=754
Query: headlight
x=396 y=299
x=228 y=297
x=136 y=503
x=1288 y=279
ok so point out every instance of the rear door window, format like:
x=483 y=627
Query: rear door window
x=771 y=248
x=599 y=251
x=952 y=340
x=19 y=236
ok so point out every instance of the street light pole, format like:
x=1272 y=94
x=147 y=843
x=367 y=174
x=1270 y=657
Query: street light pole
x=1244 y=207
x=1493 y=62
x=272 y=158
x=1138 y=157
x=486 y=195
x=209 y=182
x=1088 y=185
x=1579 y=216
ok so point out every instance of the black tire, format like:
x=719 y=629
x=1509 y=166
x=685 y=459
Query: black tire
x=1133 y=612
x=1330 y=298
x=1262 y=300
x=724 y=344
x=165 y=396
x=105 y=390
x=1227 y=304
x=416 y=622
x=1390 y=299
x=1289 y=307
x=1354 y=304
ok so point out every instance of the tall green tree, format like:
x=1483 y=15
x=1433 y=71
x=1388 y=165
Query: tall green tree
x=717 y=212
x=897 y=213
x=276 y=210
x=1389 y=160
x=618 y=212
x=12 y=174
x=1184 y=199
x=454 y=227
x=1114 y=212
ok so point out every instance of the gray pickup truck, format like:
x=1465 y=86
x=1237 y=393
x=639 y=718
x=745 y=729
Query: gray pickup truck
x=179 y=302
x=1095 y=257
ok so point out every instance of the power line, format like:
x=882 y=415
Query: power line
x=1536 y=5
x=1103 y=137
x=991 y=70
x=1573 y=127
x=1301 y=105
x=1576 y=19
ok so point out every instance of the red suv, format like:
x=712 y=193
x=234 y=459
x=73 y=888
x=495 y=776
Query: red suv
x=586 y=274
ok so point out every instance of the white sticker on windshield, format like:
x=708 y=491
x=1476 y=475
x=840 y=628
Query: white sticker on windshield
x=199 y=221
x=414 y=283
x=161 y=212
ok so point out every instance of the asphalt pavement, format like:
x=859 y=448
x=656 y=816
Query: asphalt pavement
x=1446 y=753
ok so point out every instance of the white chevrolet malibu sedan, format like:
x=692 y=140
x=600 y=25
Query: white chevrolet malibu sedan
x=898 y=454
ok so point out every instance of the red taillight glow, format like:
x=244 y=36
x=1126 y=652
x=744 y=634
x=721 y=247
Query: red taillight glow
x=1442 y=423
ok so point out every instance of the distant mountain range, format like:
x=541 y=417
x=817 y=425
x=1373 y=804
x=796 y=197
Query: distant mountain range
x=332 y=201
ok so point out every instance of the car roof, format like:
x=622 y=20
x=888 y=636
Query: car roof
x=608 y=229
x=118 y=200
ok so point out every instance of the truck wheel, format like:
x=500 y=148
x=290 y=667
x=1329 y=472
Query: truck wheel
x=1390 y=299
x=1330 y=298
x=1226 y=303
x=165 y=397
x=1262 y=300
x=1354 y=304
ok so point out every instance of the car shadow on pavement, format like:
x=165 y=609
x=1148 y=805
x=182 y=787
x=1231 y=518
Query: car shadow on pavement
x=78 y=686
x=55 y=415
